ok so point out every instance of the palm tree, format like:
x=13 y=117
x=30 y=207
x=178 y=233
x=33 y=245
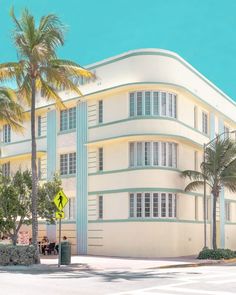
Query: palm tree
x=40 y=71
x=11 y=112
x=219 y=171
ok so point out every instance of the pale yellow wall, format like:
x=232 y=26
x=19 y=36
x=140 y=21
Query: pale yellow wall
x=145 y=239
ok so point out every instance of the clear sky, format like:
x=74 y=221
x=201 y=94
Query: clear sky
x=202 y=31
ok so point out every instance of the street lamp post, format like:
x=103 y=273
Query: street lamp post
x=205 y=145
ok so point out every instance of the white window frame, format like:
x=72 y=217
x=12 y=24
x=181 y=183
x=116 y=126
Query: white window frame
x=205 y=122
x=150 y=103
x=141 y=212
x=6 y=169
x=69 y=164
x=68 y=119
x=6 y=133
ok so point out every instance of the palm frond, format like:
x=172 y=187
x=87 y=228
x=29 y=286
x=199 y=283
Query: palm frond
x=194 y=185
x=193 y=175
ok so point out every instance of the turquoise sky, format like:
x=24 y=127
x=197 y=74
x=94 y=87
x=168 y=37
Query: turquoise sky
x=202 y=31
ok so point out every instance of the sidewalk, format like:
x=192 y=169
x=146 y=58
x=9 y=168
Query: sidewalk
x=98 y=263
x=117 y=263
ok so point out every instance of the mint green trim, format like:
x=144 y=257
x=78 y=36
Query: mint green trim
x=134 y=169
x=230 y=223
x=72 y=221
x=22 y=141
x=146 y=220
x=68 y=176
x=145 y=189
x=148 y=134
x=82 y=177
x=148 y=118
x=173 y=56
x=66 y=131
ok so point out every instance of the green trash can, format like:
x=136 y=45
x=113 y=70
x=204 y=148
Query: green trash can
x=65 y=253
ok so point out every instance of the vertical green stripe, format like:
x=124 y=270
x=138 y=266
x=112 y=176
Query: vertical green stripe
x=82 y=177
x=51 y=143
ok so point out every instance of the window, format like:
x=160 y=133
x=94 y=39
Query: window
x=152 y=103
x=100 y=207
x=68 y=119
x=226 y=132
x=195 y=117
x=6 y=169
x=195 y=160
x=68 y=164
x=100 y=111
x=196 y=207
x=227 y=211
x=71 y=208
x=204 y=123
x=152 y=205
x=6 y=133
x=100 y=159
x=39 y=125
x=153 y=154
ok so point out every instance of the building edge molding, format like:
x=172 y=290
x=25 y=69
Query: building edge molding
x=82 y=178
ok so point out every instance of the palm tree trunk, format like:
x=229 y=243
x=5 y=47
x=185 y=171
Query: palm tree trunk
x=34 y=174
x=214 y=222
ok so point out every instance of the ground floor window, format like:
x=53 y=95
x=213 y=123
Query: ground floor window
x=152 y=205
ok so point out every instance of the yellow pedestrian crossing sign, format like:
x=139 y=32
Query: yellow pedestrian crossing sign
x=60 y=200
x=60 y=215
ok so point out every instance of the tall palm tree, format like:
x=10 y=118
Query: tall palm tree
x=11 y=112
x=40 y=71
x=219 y=170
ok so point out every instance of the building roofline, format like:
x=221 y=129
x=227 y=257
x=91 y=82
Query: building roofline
x=162 y=52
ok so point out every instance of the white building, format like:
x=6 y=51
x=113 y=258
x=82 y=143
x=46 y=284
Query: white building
x=120 y=150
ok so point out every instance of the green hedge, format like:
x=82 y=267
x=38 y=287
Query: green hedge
x=17 y=255
x=216 y=254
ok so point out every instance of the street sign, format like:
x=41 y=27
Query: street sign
x=60 y=200
x=60 y=215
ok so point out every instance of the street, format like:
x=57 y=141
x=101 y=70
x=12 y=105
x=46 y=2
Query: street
x=212 y=280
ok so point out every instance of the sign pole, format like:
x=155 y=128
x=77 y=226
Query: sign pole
x=59 y=257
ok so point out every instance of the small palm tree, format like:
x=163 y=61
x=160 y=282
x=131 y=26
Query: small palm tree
x=40 y=71
x=219 y=171
x=11 y=112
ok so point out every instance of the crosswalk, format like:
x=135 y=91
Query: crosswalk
x=219 y=282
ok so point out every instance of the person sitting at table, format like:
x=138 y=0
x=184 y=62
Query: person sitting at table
x=44 y=244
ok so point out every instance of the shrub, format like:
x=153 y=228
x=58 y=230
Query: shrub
x=216 y=254
x=17 y=255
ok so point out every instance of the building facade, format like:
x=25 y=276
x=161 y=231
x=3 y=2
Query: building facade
x=120 y=150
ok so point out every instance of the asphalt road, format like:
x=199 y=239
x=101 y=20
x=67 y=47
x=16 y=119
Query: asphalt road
x=209 y=280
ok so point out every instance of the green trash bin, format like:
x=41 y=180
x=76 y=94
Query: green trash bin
x=65 y=253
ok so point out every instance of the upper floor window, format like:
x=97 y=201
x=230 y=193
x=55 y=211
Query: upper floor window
x=152 y=103
x=152 y=205
x=100 y=207
x=226 y=132
x=68 y=119
x=227 y=211
x=70 y=209
x=153 y=154
x=39 y=168
x=68 y=163
x=6 y=133
x=100 y=159
x=100 y=111
x=204 y=123
x=39 y=125
x=195 y=117
x=6 y=169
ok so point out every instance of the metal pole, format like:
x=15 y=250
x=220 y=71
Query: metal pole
x=59 y=253
x=205 y=198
